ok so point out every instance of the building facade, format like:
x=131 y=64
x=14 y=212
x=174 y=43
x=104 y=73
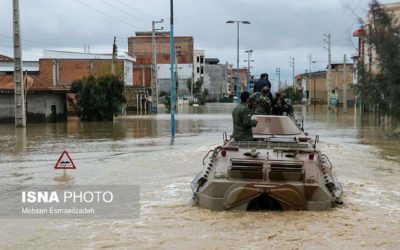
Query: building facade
x=366 y=53
x=141 y=46
x=216 y=80
x=316 y=87
x=198 y=65
x=61 y=67
x=44 y=102
x=243 y=73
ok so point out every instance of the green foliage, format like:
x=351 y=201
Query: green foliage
x=99 y=98
x=382 y=88
x=165 y=99
x=198 y=93
x=189 y=85
x=292 y=94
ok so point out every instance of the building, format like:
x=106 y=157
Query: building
x=316 y=88
x=62 y=67
x=44 y=102
x=48 y=97
x=243 y=74
x=366 y=54
x=141 y=46
x=4 y=58
x=215 y=79
x=198 y=65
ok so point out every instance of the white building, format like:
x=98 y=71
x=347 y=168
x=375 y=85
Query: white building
x=198 y=64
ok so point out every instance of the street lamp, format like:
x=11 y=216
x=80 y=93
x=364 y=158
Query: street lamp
x=249 y=52
x=237 y=57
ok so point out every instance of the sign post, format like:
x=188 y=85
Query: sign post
x=65 y=162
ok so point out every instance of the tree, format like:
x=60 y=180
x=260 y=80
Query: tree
x=99 y=98
x=198 y=91
x=292 y=94
x=382 y=88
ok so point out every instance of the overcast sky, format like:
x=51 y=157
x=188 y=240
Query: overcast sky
x=279 y=29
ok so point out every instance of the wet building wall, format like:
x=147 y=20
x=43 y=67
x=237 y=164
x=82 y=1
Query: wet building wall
x=215 y=80
x=41 y=107
x=165 y=84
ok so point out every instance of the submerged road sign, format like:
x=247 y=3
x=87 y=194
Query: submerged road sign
x=65 y=161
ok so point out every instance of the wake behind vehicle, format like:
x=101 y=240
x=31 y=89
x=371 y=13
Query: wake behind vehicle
x=281 y=169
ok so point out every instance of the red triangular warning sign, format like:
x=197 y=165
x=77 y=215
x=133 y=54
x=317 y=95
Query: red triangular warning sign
x=65 y=161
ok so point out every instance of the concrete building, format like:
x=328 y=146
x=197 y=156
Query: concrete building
x=61 y=67
x=243 y=79
x=44 y=101
x=366 y=54
x=315 y=84
x=141 y=46
x=215 y=79
x=198 y=65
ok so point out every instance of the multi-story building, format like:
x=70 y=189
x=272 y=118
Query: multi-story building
x=198 y=65
x=366 y=54
x=243 y=74
x=315 y=84
x=215 y=79
x=141 y=46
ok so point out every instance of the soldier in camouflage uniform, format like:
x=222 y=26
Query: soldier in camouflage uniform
x=242 y=122
x=263 y=104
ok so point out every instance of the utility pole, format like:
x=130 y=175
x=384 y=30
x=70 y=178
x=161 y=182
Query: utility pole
x=278 y=72
x=172 y=62
x=309 y=69
x=19 y=88
x=114 y=56
x=327 y=40
x=292 y=64
x=344 y=84
x=249 y=52
x=177 y=52
x=154 y=79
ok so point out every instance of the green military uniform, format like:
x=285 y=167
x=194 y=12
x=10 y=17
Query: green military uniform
x=262 y=104
x=242 y=123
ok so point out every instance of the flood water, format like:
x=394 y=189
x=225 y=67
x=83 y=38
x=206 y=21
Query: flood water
x=137 y=150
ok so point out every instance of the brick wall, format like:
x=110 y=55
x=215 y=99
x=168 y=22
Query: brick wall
x=74 y=69
x=140 y=46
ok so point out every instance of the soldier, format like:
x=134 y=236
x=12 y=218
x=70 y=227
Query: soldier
x=263 y=103
x=261 y=83
x=242 y=122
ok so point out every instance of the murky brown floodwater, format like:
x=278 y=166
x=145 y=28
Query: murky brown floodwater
x=137 y=150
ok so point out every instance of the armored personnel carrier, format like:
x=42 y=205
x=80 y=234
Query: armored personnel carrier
x=281 y=169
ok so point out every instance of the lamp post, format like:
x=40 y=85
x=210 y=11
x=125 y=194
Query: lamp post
x=237 y=57
x=249 y=52
x=278 y=73
x=172 y=63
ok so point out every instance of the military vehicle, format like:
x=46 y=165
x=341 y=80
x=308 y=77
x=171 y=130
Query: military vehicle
x=281 y=169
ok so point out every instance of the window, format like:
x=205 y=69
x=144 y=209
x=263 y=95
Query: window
x=198 y=69
x=202 y=59
x=202 y=70
x=198 y=58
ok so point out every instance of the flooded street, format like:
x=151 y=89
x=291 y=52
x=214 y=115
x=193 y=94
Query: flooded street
x=136 y=151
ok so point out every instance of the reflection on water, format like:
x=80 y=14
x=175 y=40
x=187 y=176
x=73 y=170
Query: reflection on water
x=137 y=150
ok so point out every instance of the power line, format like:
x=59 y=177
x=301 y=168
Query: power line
x=104 y=13
x=132 y=8
x=123 y=11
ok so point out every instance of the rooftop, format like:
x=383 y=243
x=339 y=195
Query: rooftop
x=33 y=83
x=4 y=58
x=57 y=54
